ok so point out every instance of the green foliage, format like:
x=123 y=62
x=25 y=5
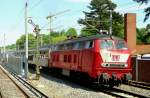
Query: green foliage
x=21 y=41
x=98 y=18
x=140 y=35
x=143 y=36
x=87 y=32
x=11 y=47
x=45 y=39
x=71 y=32
x=52 y=38
x=58 y=39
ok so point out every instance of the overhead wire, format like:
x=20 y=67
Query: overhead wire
x=14 y=27
x=18 y=18
x=35 y=5
x=39 y=2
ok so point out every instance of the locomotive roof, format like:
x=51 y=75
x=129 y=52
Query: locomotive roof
x=89 y=38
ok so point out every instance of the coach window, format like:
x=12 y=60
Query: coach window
x=81 y=45
x=89 y=44
x=70 y=46
x=65 y=58
x=76 y=45
x=75 y=58
x=69 y=58
x=56 y=47
x=57 y=58
x=61 y=47
x=65 y=47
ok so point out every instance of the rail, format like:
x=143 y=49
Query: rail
x=38 y=93
x=142 y=85
x=129 y=93
x=31 y=88
x=9 y=77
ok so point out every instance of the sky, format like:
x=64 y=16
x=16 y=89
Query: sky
x=12 y=15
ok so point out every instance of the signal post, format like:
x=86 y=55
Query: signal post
x=37 y=32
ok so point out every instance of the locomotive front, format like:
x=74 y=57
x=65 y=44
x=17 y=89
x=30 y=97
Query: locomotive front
x=114 y=62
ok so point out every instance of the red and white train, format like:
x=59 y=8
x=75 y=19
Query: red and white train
x=101 y=58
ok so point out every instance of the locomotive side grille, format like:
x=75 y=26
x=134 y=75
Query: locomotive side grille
x=117 y=65
x=114 y=65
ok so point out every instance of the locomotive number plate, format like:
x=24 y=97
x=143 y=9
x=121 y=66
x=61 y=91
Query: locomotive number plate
x=115 y=57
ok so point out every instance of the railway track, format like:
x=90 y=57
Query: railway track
x=142 y=85
x=128 y=93
x=115 y=92
x=30 y=87
x=28 y=90
x=8 y=87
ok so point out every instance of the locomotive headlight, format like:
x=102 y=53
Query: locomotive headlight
x=125 y=65
x=105 y=64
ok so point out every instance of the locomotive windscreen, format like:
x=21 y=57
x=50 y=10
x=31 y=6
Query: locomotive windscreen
x=121 y=45
x=106 y=44
x=113 y=44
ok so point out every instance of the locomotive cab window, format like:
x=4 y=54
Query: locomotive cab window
x=106 y=44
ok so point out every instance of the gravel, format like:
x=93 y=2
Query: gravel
x=135 y=90
x=57 y=88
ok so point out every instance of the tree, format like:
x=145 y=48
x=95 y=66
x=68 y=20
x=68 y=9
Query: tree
x=71 y=32
x=99 y=16
x=141 y=32
x=85 y=32
x=20 y=43
x=54 y=37
x=11 y=47
x=58 y=39
x=143 y=35
x=146 y=10
x=45 y=39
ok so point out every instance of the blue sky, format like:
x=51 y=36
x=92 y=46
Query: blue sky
x=12 y=15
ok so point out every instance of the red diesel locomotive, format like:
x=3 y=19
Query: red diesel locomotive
x=104 y=59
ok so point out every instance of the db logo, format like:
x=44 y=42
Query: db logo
x=115 y=57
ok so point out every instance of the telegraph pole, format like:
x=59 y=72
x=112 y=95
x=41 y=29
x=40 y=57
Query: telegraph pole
x=26 y=43
x=4 y=46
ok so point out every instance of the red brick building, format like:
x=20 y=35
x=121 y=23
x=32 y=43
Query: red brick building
x=141 y=68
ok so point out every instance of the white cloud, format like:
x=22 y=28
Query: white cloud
x=79 y=1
